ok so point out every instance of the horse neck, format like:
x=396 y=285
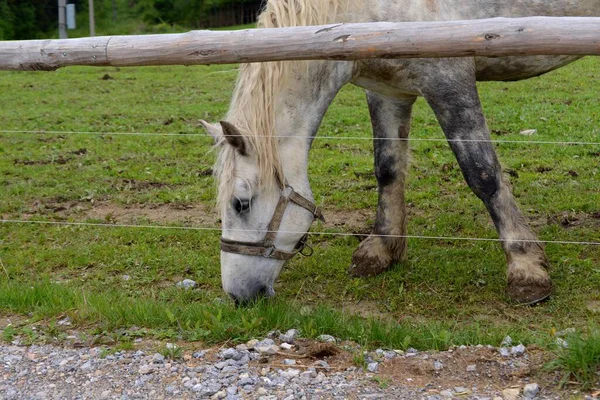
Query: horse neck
x=301 y=105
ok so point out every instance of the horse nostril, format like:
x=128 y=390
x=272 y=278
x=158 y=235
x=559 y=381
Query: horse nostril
x=235 y=299
x=262 y=291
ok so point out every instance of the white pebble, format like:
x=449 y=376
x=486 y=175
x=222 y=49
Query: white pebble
x=531 y=390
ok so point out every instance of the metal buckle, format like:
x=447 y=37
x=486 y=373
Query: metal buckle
x=304 y=247
x=269 y=252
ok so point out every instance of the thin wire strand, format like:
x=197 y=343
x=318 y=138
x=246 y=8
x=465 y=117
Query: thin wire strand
x=409 y=139
x=199 y=228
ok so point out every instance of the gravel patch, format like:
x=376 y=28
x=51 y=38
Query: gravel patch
x=262 y=369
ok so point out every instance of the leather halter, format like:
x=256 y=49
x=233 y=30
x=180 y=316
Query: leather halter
x=266 y=248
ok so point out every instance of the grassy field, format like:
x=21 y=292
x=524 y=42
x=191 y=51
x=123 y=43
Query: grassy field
x=447 y=292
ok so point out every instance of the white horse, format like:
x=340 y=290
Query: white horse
x=264 y=193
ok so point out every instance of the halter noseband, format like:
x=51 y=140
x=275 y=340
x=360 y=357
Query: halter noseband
x=266 y=248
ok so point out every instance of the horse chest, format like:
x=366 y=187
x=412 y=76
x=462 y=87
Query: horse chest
x=393 y=78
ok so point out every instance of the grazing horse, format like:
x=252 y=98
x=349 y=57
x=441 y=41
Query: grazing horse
x=264 y=193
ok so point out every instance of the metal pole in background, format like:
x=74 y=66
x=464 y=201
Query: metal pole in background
x=92 y=21
x=62 y=19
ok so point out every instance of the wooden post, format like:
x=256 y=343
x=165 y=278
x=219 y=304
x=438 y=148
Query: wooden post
x=92 y=19
x=576 y=36
x=62 y=19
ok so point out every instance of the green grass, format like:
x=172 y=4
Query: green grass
x=447 y=292
x=184 y=316
x=580 y=361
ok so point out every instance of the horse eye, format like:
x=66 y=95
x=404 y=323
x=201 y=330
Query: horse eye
x=241 y=205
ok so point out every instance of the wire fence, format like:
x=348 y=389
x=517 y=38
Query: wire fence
x=408 y=139
x=341 y=234
x=322 y=233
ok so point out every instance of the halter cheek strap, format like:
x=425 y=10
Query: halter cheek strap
x=266 y=248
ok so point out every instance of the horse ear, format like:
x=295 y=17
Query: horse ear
x=234 y=137
x=213 y=130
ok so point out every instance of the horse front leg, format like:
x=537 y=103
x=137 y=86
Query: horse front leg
x=390 y=119
x=456 y=104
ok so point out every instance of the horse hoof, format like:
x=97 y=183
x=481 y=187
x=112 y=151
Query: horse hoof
x=529 y=294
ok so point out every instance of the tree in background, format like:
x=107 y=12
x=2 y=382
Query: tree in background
x=38 y=19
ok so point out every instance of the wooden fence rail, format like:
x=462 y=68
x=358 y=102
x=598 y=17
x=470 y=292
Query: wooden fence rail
x=486 y=37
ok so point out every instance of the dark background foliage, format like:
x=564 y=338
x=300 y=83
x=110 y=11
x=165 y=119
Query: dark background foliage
x=38 y=19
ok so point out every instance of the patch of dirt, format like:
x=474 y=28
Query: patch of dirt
x=357 y=220
x=58 y=160
x=133 y=184
x=567 y=219
x=202 y=215
x=366 y=309
x=196 y=215
x=478 y=366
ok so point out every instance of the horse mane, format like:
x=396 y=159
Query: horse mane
x=252 y=108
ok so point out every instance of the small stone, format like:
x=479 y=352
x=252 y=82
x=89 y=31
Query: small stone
x=593 y=306
x=158 y=358
x=322 y=364
x=199 y=354
x=504 y=352
x=373 y=367
x=531 y=390
x=447 y=393
x=267 y=350
x=126 y=278
x=286 y=346
x=241 y=347
x=389 y=354
x=231 y=354
x=287 y=361
x=507 y=341
x=326 y=338
x=207 y=389
x=460 y=390
x=438 y=366
x=231 y=390
x=518 y=350
x=307 y=376
x=264 y=343
x=565 y=332
x=562 y=342
x=262 y=391
x=146 y=369
x=220 y=365
x=289 y=336
x=471 y=368
x=186 y=284
x=411 y=350
x=528 y=132
x=251 y=343
x=290 y=373
x=511 y=394
x=245 y=381
x=221 y=394
x=86 y=366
